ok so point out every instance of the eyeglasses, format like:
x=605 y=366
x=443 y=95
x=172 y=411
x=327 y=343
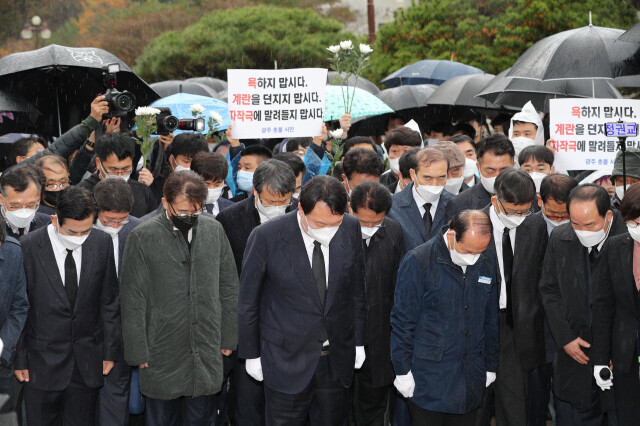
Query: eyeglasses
x=287 y=203
x=516 y=214
x=115 y=222
x=32 y=206
x=188 y=213
x=632 y=224
x=117 y=171
x=56 y=186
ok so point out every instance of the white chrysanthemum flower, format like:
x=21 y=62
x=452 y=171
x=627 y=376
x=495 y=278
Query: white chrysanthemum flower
x=334 y=49
x=365 y=49
x=337 y=134
x=216 y=117
x=346 y=45
x=147 y=111
x=196 y=108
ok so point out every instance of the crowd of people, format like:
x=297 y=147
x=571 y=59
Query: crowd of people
x=444 y=278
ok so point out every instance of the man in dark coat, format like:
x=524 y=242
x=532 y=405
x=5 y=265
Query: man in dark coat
x=302 y=308
x=383 y=252
x=72 y=333
x=568 y=274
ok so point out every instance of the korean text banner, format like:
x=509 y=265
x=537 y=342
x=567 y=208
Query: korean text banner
x=276 y=103
x=577 y=127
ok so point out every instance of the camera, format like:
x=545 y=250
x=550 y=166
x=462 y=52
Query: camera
x=194 y=124
x=120 y=103
x=165 y=121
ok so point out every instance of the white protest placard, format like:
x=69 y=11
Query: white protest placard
x=276 y=103
x=577 y=127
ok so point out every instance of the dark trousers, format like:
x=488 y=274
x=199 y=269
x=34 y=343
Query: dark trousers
x=73 y=406
x=539 y=394
x=249 y=396
x=627 y=396
x=512 y=381
x=324 y=402
x=183 y=411
x=422 y=417
x=485 y=413
x=370 y=404
x=113 y=406
x=568 y=414
x=7 y=387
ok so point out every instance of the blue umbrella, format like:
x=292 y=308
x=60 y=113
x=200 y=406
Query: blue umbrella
x=428 y=71
x=180 y=103
x=364 y=103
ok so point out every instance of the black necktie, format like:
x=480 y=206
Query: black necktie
x=593 y=257
x=21 y=232
x=427 y=218
x=507 y=263
x=319 y=273
x=70 y=277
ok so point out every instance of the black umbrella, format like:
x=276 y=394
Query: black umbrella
x=215 y=83
x=362 y=83
x=461 y=92
x=632 y=34
x=172 y=87
x=62 y=81
x=516 y=92
x=16 y=113
x=587 y=52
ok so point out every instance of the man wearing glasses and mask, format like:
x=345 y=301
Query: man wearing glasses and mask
x=179 y=295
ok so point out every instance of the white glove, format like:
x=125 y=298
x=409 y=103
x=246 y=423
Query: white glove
x=604 y=384
x=1 y=346
x=254 y=368
x=491 y=377
x=405 y=384
x=360 y=357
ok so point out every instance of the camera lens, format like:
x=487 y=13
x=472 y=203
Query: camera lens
x=125 y=102
x=171 y=123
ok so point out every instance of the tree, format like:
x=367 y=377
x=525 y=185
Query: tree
x=484 y=33
x=250 y=37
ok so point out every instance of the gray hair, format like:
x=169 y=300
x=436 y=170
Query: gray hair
x=275 y=176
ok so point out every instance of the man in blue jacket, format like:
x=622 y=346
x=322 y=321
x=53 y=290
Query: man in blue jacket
x=444 y=339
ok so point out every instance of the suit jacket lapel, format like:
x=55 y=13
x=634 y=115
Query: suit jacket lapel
x=85 y=268
x=411 y=210
x=50 y=267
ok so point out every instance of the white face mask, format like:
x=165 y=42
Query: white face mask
x=488 y=183
x=470 y=168
x=453 y=185
x=431 y=141
x=620 y=191
x=591 y=238
x=553 y=223
x=461 y=259
x=296 y=195
x=537 y=179
x=321 y=235
x=510 y=222
x=635 y=233
x=213 y=195
x=520 y=143
x=71 y=242
x=368 y=231
x=180 y=168
x=108 y=229
x=394 y=165
x=270 y=212
x=21 y=218
x=429 y=193
x=245 y=180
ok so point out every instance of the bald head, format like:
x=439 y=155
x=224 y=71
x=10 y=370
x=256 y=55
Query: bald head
x=472 y=231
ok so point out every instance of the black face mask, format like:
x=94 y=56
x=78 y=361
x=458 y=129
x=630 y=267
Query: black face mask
x=51 y=197
x=184 y=223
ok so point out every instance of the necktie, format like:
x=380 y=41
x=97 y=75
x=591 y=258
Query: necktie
x=507 y=263
x=70 y=277
x=21 y=232
x=426 y=219
x=319 y=273
x=209 y=208
x=593 y=257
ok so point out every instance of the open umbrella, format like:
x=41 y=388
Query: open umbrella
x=515 y=92
x=16 y=114
x=362 y=83
x=632 y=34
x=215 y=83
x=364 y=104
x=180 y=103
x=172 y=87
x=429 y=71
x=461 y=92
x=587 y=52
x=62 y=81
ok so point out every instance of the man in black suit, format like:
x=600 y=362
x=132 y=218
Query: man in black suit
x=399 y=140
x=273 y=186
x=519 y=241
x=383 y=252
x=115 y=152
x=20 y=189
x=495 y=153
x=213 y=168
x=114 y=200
x=72 y=333
x=568 y=275
x=302 y=308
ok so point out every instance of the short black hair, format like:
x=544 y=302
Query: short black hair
x=630 y=205
x=293 y=161
x=294 y=143
x=557 y=187
x=363 y=161
x=120 y=144
x=371 y=195
x=464 y=138
x=74 y=203
x=211 y=166
x=358 y=140
x=403 y=136
x=113 y=195
x=465 y=129
x=525 y=122
x=537 y=152
x=503 y=120
x=275 y=176
x=326 y=189
x=476 y=219
x=497 y=144
x=515 y=186
x=20 y=177
x=257 y=150
x=408 y=161
x=591 y=192
x=443 y=127
x=20 y=148
x=188 y=184
x=188 y=145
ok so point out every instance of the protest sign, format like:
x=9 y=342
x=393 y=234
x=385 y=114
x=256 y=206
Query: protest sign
x=276 y=103
x=577 y=127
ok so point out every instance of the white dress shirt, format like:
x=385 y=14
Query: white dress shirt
x=498 y=231
x=420 y=203
x=60 y=253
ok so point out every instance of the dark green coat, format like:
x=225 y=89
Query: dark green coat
x=179 y=308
